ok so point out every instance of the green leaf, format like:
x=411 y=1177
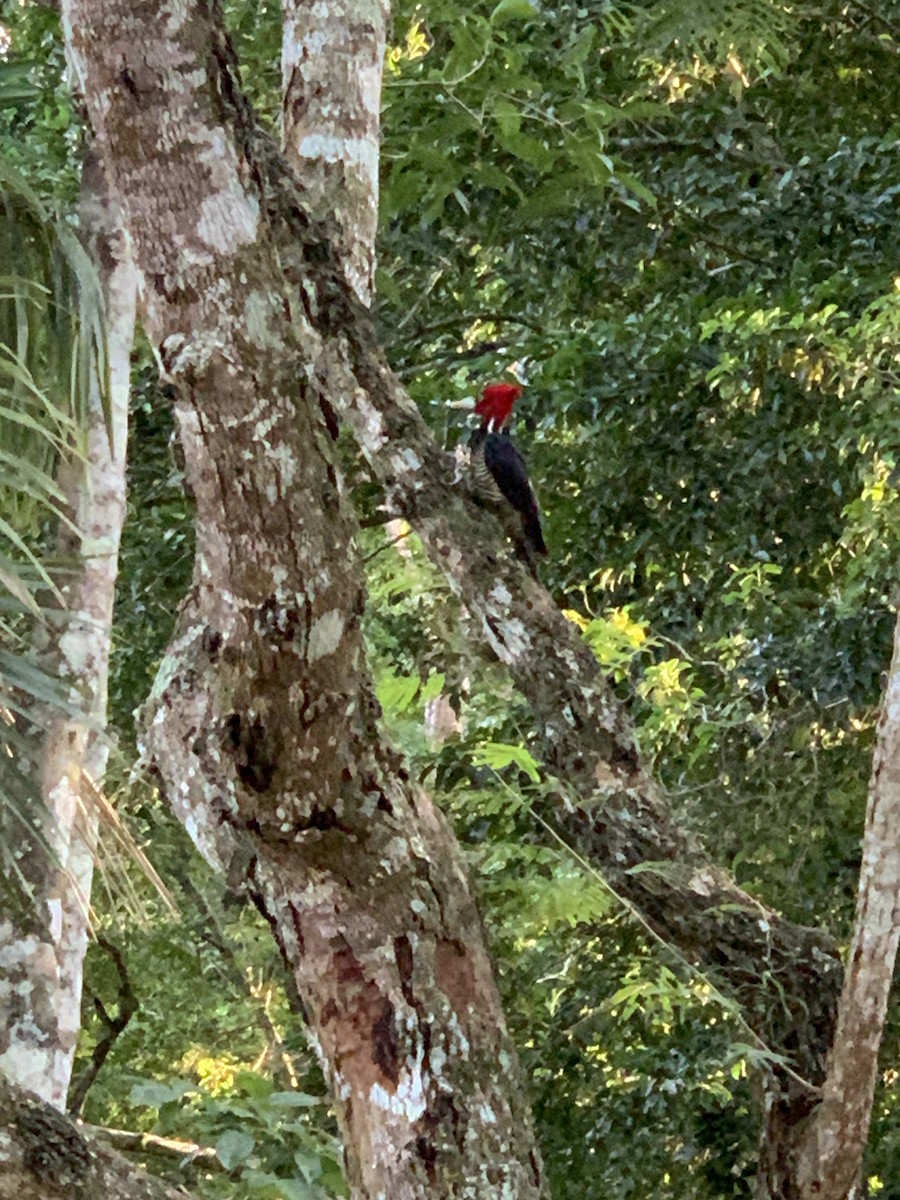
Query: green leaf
x=433 y=687
x=529 y=149
x=468 y=53
x=490 y=175
x=576 y=55
x=513 y=10
x=9 y=578
x=155 y=1094
x=257 y=1086
x=508 y=116
x=397 y=693
x=234 y=1147
x=563 y=194
x=297 y=1189
x=308 y=1164
x=294 y=1100
x=497 y=755
x=16 y=671
x=634 y=185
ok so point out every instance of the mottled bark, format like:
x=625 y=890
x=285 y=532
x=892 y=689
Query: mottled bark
x=263 y=724
x=43 y=951
x=44 y=1156
x=332 y=60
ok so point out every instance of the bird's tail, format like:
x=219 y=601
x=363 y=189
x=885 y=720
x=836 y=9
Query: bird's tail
x=534 y=535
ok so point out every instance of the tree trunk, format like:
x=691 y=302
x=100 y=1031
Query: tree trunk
x=829 y=1160
x=44 y=950
x=263 y=724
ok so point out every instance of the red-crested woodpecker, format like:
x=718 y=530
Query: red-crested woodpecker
x=499 y=474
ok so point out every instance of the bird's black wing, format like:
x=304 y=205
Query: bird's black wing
x=506 y=464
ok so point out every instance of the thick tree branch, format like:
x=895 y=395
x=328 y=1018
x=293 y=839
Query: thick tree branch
x=785 y=977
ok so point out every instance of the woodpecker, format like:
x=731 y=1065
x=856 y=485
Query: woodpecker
x=499 y=474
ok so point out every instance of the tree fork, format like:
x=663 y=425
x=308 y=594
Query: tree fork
x=263 y=721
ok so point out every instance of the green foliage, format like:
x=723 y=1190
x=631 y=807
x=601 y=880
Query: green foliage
x=157 y=550
x=616 y=1083
x=263 y=1138
x=40 y=130
x=51 y=357
x=722 y=33
x=498 y=755
x=213 y=1055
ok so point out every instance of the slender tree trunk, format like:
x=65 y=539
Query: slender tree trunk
x=263 y=724
x=829 y=1162
x=44 y=952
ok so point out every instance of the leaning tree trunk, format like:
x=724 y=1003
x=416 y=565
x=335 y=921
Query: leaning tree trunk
x=43 y=950
x=785 y=978
x=808 y=1149
x=601 y=799
x=263 y=724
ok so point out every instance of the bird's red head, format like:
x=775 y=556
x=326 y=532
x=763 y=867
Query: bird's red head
x=496 y=403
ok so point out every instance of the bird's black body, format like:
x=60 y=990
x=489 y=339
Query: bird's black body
x=500 y=475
